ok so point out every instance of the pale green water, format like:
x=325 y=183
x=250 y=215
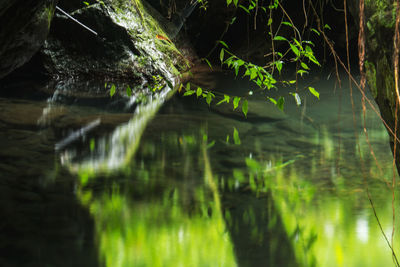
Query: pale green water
x=287 y=196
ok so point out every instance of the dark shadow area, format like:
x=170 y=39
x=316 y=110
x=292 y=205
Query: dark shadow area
x=257 y=230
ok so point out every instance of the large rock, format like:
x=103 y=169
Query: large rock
x=129 y=44
x=24 y=27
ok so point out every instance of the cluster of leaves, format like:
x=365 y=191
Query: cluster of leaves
x=203 y=4
x=157 y=84
x=210 y=96
x=252 y=5
x=113 y=89
x=301 y=53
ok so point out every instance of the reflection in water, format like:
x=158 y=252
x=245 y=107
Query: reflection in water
x=187 y=195
x=148 y=219
x=287 y=196
x=116 y=150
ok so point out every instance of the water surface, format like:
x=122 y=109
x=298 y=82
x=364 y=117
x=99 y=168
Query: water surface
x=177 y=188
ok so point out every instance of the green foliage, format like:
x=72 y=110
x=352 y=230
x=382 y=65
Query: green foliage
x=128 y=91
x=280 y=103
x=112 y=90
x=203 y=4
x=236 y=138
x=236 y=101
x=199 y=92
x=92 y=144
x=158 y=83
x=207 y=95
x=226 y=99
x=208 y=62
x=297 y=98
x=313 y=91
x=245 y=108
x=297 y=51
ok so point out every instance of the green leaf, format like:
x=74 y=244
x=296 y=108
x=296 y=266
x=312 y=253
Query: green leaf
x=229 y=61
x=188 y=87
x=281 y=102
x=189 y=92
x=224 y=44
x=235 y=2
x=308 y=42
x=128 y=91
x=310 y=55
x=287 y=23
x=278 y=65
x=236 y=138
x=92 y=144
x=199 y=91
x=245 y=107
x=245 y=9
x=302 y=72
x=221 y=55
x=226 y=99
x=239 y=62
x=211 y=144
x=228 y=2
x=233 y=20
x=208 y=62
x=317 y=32
x=297 y=98
x=105 y=85
x=253 y=73
x=326 y=26
x=313 y=91
x=304 y=66
x=298 y=44
x=272 y=100
x=295 y=50
x=112 y=90
x=236 y=102
x=269 y=21
x=279 y=38
x=86 y=3
x=209 y=98
x=253 y=164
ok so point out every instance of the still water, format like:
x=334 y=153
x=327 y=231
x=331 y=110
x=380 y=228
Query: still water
x=185 y=184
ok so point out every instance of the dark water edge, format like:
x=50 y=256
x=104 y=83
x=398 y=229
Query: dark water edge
x=288 y=195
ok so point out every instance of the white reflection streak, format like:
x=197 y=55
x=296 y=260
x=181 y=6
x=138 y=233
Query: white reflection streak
x=329 y=230
x=362 y=229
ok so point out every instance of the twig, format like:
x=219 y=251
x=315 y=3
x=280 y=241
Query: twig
x=77 y=21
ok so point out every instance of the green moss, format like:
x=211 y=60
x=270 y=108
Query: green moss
x=371 y=78
x=134 y=11
x=383 y=13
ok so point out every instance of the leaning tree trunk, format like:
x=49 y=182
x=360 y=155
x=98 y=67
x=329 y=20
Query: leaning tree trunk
x=380 y=17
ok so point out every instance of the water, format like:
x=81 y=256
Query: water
x=175 y=189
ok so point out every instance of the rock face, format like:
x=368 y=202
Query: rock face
x=129 y=44
x=24 y=27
